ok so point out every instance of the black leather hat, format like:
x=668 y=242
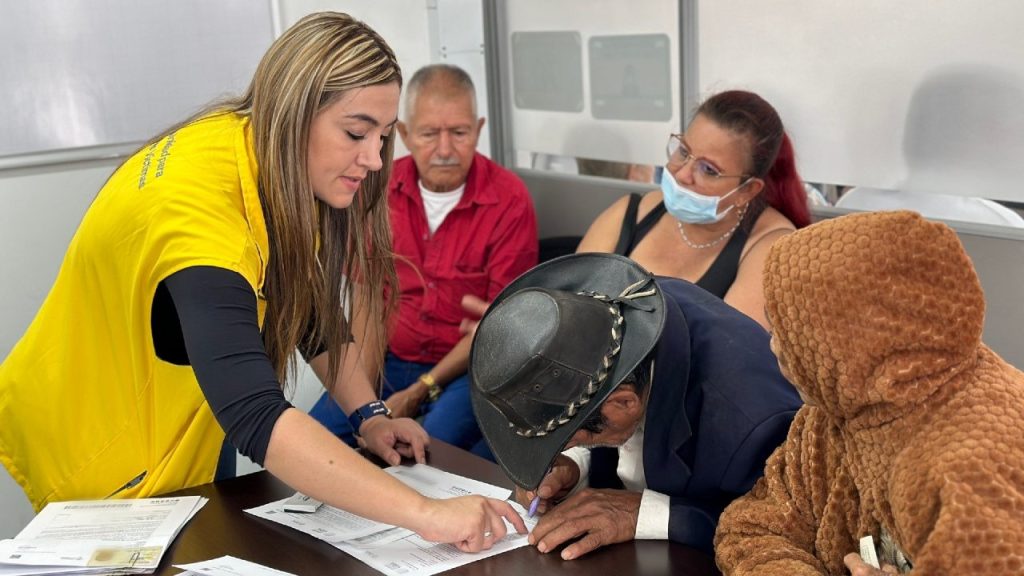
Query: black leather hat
x=551 y=348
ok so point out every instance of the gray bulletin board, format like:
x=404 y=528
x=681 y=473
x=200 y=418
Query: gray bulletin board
x=91 y=73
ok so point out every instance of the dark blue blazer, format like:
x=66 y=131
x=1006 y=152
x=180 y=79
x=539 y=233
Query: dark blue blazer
x=718 y=408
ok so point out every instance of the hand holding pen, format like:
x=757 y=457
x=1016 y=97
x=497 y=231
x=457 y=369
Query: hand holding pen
x=536 y=499
x=556 y=484
x=533 y=506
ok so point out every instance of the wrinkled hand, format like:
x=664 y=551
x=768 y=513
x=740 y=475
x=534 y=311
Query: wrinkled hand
x=601 y=517
x=394 y=439
x=562 y=478
x=471 y=523
x=858 y=567
x=476 y=308
x=406 y=403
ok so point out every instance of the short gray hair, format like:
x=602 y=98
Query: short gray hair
x=446 y=77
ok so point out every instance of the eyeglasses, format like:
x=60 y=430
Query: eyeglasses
x=704 y=171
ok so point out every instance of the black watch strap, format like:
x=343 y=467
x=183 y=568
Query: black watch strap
x=364 y=413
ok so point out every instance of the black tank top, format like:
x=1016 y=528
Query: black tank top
x=722 y=273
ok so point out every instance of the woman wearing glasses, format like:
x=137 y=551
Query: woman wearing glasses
x=728 y=191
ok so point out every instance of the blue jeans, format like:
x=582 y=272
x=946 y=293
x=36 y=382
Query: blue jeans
x=449 y=419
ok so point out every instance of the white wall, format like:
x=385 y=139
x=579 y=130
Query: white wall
x=920 y=95
x=61 y=88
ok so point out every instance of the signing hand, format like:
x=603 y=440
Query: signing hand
x=471 y=523
x=394 y=439
x=858 y=567
x=562 y=478
x=406 y=403
x=600 y=517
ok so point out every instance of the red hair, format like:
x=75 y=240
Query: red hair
x=771 y=153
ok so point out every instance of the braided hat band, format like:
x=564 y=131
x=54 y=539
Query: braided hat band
x=553 y=345
x=627 y=298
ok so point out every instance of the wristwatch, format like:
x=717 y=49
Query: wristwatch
x=433 y=390
x=364 y=413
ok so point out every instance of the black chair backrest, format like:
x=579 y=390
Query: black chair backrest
x=555 y=246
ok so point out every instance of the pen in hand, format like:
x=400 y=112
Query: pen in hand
x=536 y=499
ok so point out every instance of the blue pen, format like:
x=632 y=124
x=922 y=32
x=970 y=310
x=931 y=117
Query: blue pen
x=536 y=499
x=533 y=506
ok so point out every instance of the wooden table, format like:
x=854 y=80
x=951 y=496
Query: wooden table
x=223 y=528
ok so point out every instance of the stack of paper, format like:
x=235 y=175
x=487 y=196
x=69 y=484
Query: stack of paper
x=391 y=550
x=98 y=536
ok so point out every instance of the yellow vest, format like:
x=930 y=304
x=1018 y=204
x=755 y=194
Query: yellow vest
x=85 y=404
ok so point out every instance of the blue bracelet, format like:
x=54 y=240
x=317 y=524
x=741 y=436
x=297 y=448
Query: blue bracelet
x=364 y=413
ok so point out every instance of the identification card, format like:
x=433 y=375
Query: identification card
x=867 y=551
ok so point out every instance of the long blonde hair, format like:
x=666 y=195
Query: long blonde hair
x=313 y=247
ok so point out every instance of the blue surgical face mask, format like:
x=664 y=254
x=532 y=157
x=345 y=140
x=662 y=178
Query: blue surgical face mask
x=688 y=206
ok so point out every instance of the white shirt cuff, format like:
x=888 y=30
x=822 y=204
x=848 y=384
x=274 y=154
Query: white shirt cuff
x=652 y=521
x=581 y=456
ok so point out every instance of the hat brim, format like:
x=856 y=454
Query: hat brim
x=527 y=460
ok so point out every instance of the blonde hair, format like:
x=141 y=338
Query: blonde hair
x=313 y=247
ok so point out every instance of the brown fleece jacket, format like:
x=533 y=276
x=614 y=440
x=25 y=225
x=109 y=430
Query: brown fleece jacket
x=912 y=424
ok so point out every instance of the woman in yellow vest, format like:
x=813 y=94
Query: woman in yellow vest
x=206 y=260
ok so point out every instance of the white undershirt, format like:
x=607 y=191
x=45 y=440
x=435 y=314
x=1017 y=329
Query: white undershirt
x=652 y=521
x=437 y=205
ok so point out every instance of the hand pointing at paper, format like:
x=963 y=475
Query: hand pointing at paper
x=470 y=523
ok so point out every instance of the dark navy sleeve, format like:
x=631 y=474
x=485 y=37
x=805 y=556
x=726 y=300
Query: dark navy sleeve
x=747 y=463
x=693 y=522
x=217 y=312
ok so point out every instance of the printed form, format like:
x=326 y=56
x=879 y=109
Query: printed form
x=397 y=551
x=97 y=536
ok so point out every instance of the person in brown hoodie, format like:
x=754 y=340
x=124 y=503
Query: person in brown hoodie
x=913 y=429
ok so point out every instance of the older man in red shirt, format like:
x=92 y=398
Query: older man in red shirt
x=462 y=225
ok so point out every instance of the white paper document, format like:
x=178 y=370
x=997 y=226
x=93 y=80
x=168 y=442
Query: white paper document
x=414 y=556
x=435 y=483
x=228 y=566
x=92 y=536
x=397 y=551
x=328 y=523
x=301 y=503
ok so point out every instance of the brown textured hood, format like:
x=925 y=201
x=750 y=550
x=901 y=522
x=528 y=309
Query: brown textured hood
x=873 y=312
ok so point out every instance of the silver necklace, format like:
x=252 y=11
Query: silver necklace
x=702 y=245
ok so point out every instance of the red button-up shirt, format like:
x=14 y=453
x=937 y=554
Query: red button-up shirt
x=487 y=240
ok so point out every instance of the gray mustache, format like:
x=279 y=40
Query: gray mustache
x=444 y=162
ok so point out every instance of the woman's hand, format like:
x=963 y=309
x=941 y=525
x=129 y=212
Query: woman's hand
x=394 y=439
x=406 y=403
x=470 y=523
x=562 y=478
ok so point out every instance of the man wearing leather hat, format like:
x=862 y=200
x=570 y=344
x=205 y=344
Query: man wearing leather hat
x=665 y=400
